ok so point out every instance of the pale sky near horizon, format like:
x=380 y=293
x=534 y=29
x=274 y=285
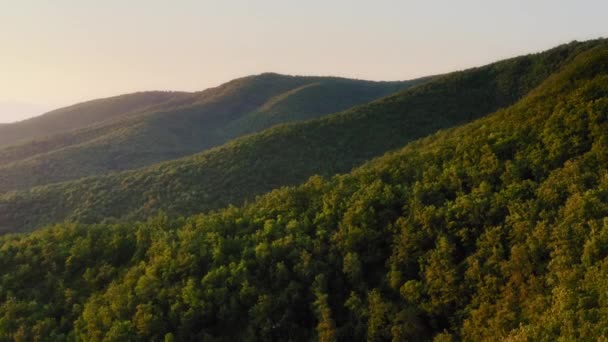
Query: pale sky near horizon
x=56 y=53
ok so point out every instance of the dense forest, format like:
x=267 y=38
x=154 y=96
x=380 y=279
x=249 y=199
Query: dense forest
x=146 y=128
x=255 y=164
x=497 y=229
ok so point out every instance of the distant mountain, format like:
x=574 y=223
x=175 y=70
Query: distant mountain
x=493 y=231
x=288 y=154
x=12 y=111
x=146 y=128
x=81 y=115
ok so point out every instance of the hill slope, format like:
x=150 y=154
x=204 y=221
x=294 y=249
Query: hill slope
x=496 y=230
x=296 y=105
x=287 y=154
x=82 y=115
x=179 y=127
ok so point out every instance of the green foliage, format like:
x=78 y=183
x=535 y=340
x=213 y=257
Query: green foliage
x=492 y=230
x=279 y=156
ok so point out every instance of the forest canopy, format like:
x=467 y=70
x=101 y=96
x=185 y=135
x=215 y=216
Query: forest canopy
x=497 y=229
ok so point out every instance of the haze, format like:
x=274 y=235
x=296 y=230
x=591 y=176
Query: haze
x=61 y=52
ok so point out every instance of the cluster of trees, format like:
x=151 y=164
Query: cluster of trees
x=494 y=230
x=283 y=155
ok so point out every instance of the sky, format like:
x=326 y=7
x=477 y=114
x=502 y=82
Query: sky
x=60 y=52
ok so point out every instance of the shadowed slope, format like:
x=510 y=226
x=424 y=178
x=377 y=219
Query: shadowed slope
x=176 y=128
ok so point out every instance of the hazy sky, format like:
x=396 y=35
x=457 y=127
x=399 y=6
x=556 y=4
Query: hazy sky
x=55 y=53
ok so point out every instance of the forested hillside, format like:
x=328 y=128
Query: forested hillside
x=496 y=230
x=285 y=155
x=299 y=104
x=182 y=125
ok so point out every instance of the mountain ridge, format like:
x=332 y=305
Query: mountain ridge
x=124 y=103
x=252 y=165
x=171 y=129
